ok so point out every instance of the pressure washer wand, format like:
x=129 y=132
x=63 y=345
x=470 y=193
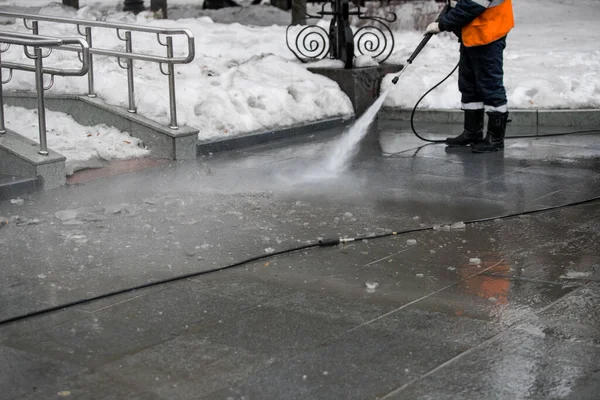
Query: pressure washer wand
x=421 y=45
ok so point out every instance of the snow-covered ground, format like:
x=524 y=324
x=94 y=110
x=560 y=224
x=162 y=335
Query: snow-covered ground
x=245 y=79
x=83 y=146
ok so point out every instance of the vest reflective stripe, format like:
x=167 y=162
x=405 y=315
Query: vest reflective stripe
x=482 y=3
x=493 y=24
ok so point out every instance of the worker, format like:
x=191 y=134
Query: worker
x=482 y=27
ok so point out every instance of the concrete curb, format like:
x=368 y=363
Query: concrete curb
x=584 y=118
x=252 y=139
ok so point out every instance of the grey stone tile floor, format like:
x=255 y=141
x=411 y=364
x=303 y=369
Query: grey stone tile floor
x=523 y=324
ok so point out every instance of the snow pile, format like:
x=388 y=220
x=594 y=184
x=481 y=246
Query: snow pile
x=243 y=78
x=83 y=146
x=552 y=60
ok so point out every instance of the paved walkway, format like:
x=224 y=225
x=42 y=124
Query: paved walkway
x=524 y=323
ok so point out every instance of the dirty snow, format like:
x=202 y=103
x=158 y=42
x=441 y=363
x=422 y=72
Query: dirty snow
x=458 y=226
x=243 y=78
x=83 y=146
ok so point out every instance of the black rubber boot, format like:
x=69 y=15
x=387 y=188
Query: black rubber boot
x=473 y=130
x=494 y=138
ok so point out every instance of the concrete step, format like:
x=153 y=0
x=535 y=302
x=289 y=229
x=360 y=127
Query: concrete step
x=19 y=157
x=12 y=186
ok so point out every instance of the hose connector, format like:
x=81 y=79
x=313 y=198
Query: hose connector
x=329 y=242
x=334 y=242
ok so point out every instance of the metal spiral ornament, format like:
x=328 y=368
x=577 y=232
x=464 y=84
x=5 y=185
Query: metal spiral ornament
x=310 y=43
x=313 y=42
x=375 y=42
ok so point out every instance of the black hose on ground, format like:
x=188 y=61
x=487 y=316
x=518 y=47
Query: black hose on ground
x=320 y=243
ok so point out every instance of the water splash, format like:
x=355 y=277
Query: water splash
x=348 y=144
x=331 y=167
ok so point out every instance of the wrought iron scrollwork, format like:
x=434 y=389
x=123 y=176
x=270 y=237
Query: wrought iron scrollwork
x=342 y=42
x=309 y=43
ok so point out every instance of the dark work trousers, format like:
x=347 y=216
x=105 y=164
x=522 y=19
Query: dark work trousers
x=481 y=77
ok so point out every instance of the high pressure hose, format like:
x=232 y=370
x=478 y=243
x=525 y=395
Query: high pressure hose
x=310 y=245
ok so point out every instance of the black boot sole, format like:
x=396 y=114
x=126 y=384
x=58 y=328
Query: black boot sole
x=474 y=150
x=460 y=145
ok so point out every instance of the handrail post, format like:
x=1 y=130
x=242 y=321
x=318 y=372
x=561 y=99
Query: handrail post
x=39 y=85
x=88 y=39
x=129 y=49
x=2 y=126
x=172 y=99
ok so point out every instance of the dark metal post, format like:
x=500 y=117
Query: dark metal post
x=156 y=5
x=135 y=6
x=71 y=3
x=298 y=12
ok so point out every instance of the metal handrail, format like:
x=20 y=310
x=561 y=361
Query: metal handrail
x=39 y=42
x=124 y=58
x=24 y=39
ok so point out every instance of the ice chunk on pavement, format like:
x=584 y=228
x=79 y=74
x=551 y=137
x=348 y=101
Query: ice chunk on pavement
x=24 y=221
x=66 y=215
x=411 y=242
x=416 y=218
x=116 y=209
x=575 y=275
x=371 y=285
x=458 y=225
x=420 y=275
x=451 y=268
x=474 y=261
x=18 y=201
x=493 y=299
x=269 y=250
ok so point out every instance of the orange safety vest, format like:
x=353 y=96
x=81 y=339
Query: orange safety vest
x=493 y=24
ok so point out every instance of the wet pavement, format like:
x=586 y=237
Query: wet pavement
x=524 y=322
